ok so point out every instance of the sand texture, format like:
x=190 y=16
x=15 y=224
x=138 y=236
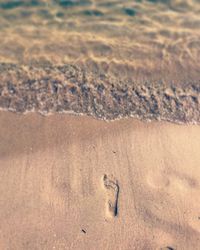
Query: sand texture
x=71 y=182
x=82 y=181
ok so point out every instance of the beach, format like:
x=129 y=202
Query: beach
x=99 y=125
x=75 y=182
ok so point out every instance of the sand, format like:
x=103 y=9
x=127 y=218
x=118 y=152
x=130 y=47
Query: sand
x=78 y=182
x=71 y=182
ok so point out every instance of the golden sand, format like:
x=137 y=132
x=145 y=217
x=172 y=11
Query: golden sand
x=71 y=182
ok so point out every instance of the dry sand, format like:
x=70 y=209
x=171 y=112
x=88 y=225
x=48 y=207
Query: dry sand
x=69 y=182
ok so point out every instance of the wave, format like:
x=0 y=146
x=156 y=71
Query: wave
x=109 y=59
x=68 y=88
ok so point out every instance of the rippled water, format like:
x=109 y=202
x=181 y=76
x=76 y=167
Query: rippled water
x=106 y=58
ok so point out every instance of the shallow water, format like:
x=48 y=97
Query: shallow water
x=106 y=58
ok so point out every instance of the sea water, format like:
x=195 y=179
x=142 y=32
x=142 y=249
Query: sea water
x=109 y=59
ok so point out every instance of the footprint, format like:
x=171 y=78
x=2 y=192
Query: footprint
x=112 y=187
x=158 y=179
x=167 y=248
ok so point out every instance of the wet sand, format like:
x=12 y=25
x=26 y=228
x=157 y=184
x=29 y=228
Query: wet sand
x=71 y=182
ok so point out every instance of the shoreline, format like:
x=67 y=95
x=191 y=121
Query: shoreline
x=71 y=113
x=69 y=88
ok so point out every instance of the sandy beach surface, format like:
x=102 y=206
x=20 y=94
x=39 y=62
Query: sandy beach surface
x=84 y=181
x=72 y=182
